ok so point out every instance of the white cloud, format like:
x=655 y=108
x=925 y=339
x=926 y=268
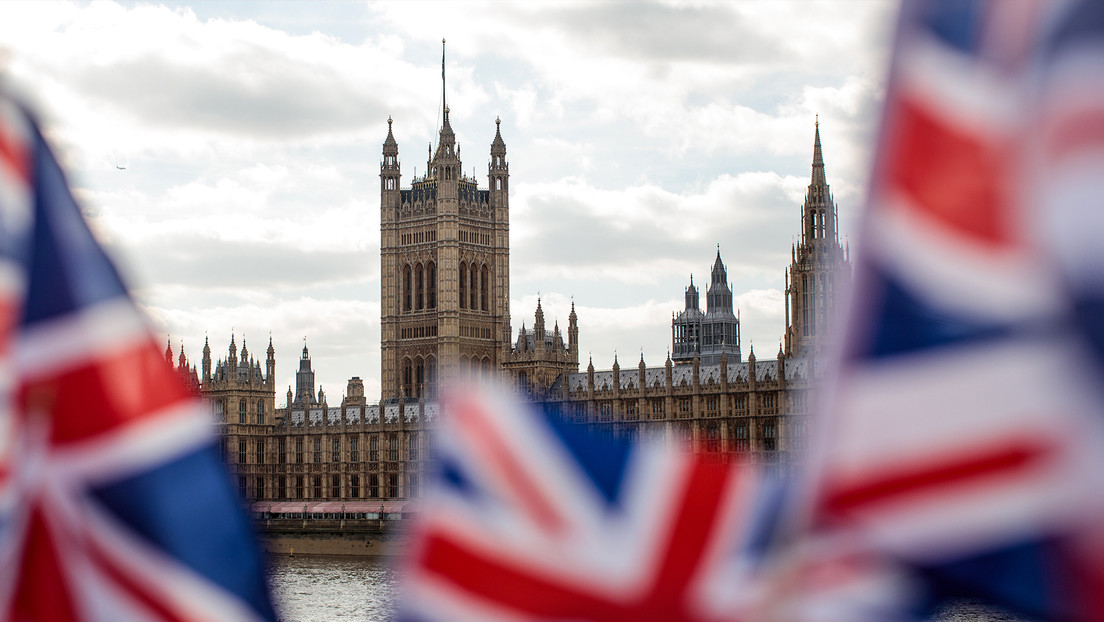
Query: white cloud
x=640 y=137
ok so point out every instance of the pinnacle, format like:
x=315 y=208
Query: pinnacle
x=819 y=178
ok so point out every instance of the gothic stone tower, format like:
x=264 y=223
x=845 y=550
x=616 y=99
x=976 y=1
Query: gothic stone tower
x=445 y=271
x=820 y=271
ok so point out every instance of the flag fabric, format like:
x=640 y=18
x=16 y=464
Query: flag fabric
x=532 y=519
x=964 y=435
x=114 y=504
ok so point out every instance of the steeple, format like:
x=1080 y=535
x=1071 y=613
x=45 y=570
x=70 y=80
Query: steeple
x=206 y=362
x=233 y=358
x=818 y=214
x=691 y=295
x=720 y=275
x=538 y=328
x=818 y=159
x=270 y=364
x=573 y=333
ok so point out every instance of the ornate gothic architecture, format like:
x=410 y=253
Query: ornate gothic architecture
x=445 y=261
x=820 y=267
x=712 y=334
x=445 y=316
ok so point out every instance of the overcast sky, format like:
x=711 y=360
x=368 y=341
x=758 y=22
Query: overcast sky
x=640 y=137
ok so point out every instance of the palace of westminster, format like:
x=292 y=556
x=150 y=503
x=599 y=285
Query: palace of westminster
x=445 y=250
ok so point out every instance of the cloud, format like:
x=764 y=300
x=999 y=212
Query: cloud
x=640 y=136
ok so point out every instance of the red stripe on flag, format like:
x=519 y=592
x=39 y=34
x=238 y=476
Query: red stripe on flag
x=14 y=154
x=497 y=451
x=135 y=589
x=104 y=394
x=953 y=177
x=664 y=595
x=947 y=472
x=42 y=589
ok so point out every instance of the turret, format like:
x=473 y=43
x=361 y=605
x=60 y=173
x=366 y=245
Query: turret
x=691 y=295
x=616 y=375
x=168 y=350
x=270 y=365
x=538 y=328
x=573 y=333
x=390 y=174
x=498 y=171
x=232 y=359
x=590 y=379
x=206 y=362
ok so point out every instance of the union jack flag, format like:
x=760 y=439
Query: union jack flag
x=532 y=519
x=965 y=433
x=113 y=502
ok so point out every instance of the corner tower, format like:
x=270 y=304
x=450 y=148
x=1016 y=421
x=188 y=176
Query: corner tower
x=444 y=255
x=820 y=269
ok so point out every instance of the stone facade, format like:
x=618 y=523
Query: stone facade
x=445 y=260
x=445 y=268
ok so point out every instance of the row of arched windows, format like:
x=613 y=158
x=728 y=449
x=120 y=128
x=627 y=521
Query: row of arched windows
x=419 y=377
x=419 y=286
x=476 y=369
x=475 y=286
x=818 y=223
x=243 y=411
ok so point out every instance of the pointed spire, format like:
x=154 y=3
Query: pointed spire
x=819 y=178
x=168 y=349
x=498 y=146
x=389 y=142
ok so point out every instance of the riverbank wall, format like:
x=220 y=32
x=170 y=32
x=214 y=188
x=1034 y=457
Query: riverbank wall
x=333 y=537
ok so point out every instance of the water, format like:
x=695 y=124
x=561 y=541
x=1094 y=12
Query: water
x=325 y=589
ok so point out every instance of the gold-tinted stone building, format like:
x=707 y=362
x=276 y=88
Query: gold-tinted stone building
x=445 y=316
x=445 y=268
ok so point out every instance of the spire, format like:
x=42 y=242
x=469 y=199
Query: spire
x=444 y=103
x=389 y=142
x=720 y=276
x=498 y=146
x=818 y=159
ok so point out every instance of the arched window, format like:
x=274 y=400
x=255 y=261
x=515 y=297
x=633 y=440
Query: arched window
x=241 y=412
x=484 y=282
x=419 y=287
x=406 y=288
x=498 y=183
x=260 y=411
x=463 y=285
x=431 y=377
x=419 y=376
x=474 y=287
x=407 y=376
x=431 y=285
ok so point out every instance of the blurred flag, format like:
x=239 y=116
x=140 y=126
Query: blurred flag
x=113 y=502
x=532 y=519
x=964 y=438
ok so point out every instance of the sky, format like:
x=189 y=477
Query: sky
x=227 y=153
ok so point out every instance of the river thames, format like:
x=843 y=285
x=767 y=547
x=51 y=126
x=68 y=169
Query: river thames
x=333 y=589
